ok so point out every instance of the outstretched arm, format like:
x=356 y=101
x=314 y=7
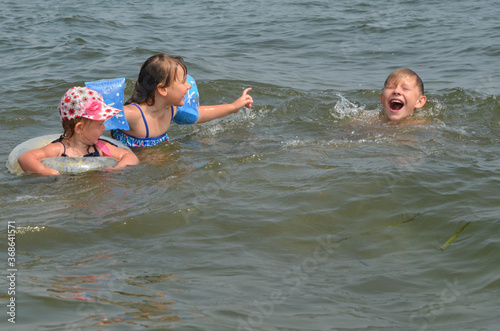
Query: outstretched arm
x=208 y=113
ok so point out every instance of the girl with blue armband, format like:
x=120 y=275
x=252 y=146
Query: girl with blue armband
x=161 y=88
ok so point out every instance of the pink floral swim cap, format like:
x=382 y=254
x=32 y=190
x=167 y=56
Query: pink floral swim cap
x=84 y=102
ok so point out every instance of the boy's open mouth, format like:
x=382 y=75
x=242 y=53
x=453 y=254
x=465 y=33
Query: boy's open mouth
x=396 y=104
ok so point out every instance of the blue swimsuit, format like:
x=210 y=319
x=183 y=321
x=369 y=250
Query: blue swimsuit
x=132 y=141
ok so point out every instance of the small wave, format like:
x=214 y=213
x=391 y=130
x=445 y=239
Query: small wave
x=346 y=109
x=29 y=228
x=32 y=198
x=296 y=143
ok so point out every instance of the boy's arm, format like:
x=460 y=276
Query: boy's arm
x=30 y=160
x=208 y=113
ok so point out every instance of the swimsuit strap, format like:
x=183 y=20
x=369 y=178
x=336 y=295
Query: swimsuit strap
x=59 y=140
x=95 y=153
x=143 y=118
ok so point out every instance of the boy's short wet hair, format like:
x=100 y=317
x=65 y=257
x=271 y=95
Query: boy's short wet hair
x=405 y=72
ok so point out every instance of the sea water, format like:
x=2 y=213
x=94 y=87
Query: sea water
x=303 y=213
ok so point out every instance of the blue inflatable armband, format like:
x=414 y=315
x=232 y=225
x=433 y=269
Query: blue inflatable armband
x=188 y=113
x=112 y=90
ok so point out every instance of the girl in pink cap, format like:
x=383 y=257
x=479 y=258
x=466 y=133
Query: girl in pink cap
x=83 y=113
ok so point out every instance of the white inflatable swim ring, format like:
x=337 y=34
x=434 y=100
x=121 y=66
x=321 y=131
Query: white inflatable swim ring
x=61 y=164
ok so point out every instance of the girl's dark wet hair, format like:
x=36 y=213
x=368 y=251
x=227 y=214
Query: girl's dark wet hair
x=159 y=70
x=402 y=72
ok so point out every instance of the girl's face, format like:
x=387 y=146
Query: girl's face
x=91 y=131
x=177 y=91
